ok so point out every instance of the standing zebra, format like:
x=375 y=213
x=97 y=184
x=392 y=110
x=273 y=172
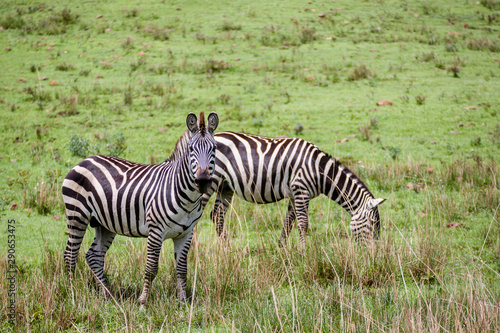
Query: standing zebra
x=264 y=170
x=156 y=201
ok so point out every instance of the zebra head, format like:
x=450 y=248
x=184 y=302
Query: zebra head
x=365 y=223
x=202 y=147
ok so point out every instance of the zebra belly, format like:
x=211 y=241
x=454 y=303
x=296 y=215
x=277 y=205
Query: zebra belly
x=124 y=227
x=183 y=223
x=175 y=230
x=258 y=197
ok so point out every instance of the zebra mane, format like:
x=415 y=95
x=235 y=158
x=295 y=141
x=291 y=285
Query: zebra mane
x=180 y=148
x=201 y=122
x=347 y=170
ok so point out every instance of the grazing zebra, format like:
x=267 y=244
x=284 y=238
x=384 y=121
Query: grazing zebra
x=264 y=170
x=156 y=201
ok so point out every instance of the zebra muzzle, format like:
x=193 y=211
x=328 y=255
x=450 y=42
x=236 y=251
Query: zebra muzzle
x=203 y=180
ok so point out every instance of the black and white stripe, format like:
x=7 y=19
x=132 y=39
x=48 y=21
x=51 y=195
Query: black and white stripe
x=264 y=170
x=159 y=201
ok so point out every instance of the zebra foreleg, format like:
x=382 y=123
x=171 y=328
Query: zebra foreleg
x=155 y=240
x=222 y=201
x=95 y=257
x=301 y=200
x=288 y=223
x=181 y=248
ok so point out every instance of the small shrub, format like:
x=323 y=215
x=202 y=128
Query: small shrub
x=453 y=69
x=307 y=35
x=365 y=133
x=491 y=4
x=158 y=89
x=135 y=65
x=495 y=135
x=359 y=73
x=420 y=99
x=483 y=44
x=38 y=94
x=205 y=39
x=11 y=21
x=452 y=47
x=85 y=72
x=116 y=145
x=426 y=57
x=439 y=64
x=69 y=105
x=157 y=33
x=65 y=16
x=298 y=129
x=35 y=68
x=78 y=146
x=128 y=98
x=429 y=9
x=229 y=26
x=56 y=24
x=128 y=44
x=224 y=99
x=433 y=40
x=161 y=68
x=37 y=151
x=394 y=152
x=131 y=12
x=215 y=66
x=44 y=197
x=272 y=36
x=476 y=142
x=65 y=67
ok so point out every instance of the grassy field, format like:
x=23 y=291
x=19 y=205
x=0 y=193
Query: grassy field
x=119 y=78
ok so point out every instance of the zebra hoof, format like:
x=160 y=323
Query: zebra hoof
x=223 y=239
x=106 y=293
x=142 y=299
x=223 y=236
x=181 y=297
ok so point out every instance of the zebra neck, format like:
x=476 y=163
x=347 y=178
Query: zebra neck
x=342 y=186
x=178 y=167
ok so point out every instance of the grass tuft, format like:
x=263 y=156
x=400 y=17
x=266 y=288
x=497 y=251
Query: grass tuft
x=483 y=44
x=360 y=72
x=230 y=26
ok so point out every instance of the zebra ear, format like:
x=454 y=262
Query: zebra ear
x=213 y=122
x=192 y=122
x=374 y=203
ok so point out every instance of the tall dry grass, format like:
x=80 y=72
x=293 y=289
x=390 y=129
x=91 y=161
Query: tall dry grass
x=398 y=284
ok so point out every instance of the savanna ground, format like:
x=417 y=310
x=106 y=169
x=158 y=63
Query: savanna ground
x=119 y=77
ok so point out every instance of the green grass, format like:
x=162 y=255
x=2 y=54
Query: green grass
x=126 y=74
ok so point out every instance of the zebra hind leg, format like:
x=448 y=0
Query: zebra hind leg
x=301 y=200
x=287 y=224
x=77 y=226
x=95 y=257
x=222 y=201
